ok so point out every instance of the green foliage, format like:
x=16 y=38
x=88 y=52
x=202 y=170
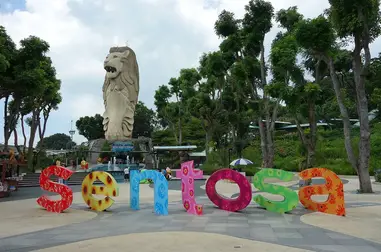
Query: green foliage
x=288 y=19
x=106 y=150
x=57 y=141
x=144 y=121
x=163 y=138
x=226 y=24
x=44 y=160
x=377 y=177
x=91 y=127
x=351 y=18
x=330 y=153
x=316 y=34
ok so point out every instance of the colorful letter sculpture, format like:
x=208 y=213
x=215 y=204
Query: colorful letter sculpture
x=290 y=200
x=160 y=190
x=110 y=189
x=187 y=175
x=333 y=187
x=66 y=193
x=223 y=203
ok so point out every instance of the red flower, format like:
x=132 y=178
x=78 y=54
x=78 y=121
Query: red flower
x=340 y=210
x=316 y=172
x=328 y=183
x=186 y=205
x=304 y=174
x=340 y=191
x=185 y=171
x=320 y=190
x=308 y=191
x=190 y=180
x=198 y=209
x=331 y=199
x=322 y=207
x=182 y=187
x=191 y=193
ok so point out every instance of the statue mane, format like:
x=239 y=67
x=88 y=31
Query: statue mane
x=129 y=75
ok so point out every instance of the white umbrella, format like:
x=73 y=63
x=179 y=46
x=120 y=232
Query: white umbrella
x=241 y=161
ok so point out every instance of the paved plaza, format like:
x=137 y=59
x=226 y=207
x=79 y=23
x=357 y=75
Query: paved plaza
x=26 y=227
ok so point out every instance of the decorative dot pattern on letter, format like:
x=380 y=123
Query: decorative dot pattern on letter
x=66 y=193
x=333 y=187
x=188 y=174
x=231 y=205
x=290 y=200
x=160 y=190
x=88 y=189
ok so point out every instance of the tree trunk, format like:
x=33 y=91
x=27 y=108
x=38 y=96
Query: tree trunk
x=33 y=129
x=344 y=115
x=180 y=132
x=42 y=130
x=24 y=135
x=313 y=133
x=206 y=142
x=362 y=105
x=262 y=135
x=263 y=131
x=302 y=138
x=16 y=141
x=6 y=124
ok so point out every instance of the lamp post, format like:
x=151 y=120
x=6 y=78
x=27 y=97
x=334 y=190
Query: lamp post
x=230 y=150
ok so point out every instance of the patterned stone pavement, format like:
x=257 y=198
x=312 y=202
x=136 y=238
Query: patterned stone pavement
x=252 y=223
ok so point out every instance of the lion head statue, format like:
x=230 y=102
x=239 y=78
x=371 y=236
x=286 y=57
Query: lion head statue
x=121 y=64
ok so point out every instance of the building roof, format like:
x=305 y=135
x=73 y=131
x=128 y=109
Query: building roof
x=304 y=125
x=198 y=154
x=175 y=148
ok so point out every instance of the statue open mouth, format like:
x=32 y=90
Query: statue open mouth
x=110 y=69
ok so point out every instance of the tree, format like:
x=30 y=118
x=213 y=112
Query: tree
x=257 y=23
x=91 y=127
x=57 y=141
x=173 y=114
x=318 y=37
x=373 y=84
x=7 y=55
x=303 y=96
x=243 y=44
x=144 y=121
x=360 y=21
x=37 y=88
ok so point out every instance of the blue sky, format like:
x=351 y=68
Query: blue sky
x=12 y=5
x=167 y=35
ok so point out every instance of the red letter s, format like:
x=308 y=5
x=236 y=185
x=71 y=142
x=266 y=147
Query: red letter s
x=66 y=193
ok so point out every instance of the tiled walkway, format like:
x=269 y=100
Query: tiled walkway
x=252 y=223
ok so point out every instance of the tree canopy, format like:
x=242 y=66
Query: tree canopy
x=57 y=141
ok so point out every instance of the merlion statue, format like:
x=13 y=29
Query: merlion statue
x=120 y=93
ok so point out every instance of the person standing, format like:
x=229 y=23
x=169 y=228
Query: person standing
x=126 y=174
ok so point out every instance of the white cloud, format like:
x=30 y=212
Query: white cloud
x=167 y=35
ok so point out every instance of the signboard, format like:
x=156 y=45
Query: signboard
x=122 y=146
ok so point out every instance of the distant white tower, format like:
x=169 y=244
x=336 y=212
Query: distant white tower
x=71 y=131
